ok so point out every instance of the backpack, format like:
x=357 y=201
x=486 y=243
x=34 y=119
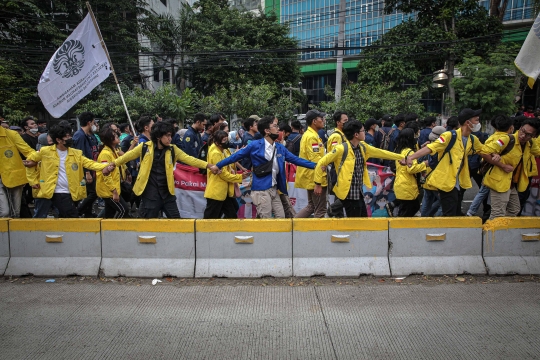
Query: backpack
x=385 y=140
x=434 y=160
x=332 y=175
x=487 y=167
x=289 y=144
x=336 y=209
x=203 y=155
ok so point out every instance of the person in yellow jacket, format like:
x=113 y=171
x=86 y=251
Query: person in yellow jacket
x=155 y=181
x=12 y=172
x=312 y=149
x=405 y=184
x=354 y=173
x=108 y=187
x=60 y=177
x=511 y=171
x=219 y=193
x=337 y=137
x=451 y=176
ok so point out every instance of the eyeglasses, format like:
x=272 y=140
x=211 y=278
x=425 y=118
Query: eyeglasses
x=527 y=135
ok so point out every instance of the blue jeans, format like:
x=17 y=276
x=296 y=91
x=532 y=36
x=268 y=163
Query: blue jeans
x=41 y=208
x=430 y=204
x=478 y=200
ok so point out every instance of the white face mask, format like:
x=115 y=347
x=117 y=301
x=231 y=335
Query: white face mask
x=34 y=131
x=94 y=128
x=377 y=128
x=476 y=127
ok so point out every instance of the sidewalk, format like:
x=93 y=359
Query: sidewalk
x=92 y=320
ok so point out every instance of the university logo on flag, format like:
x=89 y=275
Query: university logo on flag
x=75 y=69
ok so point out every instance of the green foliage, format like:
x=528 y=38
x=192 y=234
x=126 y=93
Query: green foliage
x=364 y=102
x=489 y=83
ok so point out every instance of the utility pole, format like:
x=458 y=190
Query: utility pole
x=341 y=43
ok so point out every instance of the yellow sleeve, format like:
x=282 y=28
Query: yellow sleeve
x=32 y=174
x=440 y=144
x=21 y=145
x=312 y=155
x=109 y=183
x=492 y=147
x=416 y=167
x=477 y=144
x=327 y=159
x=225 y=173
x=91 y=164
x=35 y=156
x=535 y=148
x=130 y=155
x=333 y=138
x=190 y=160
x=373 y=152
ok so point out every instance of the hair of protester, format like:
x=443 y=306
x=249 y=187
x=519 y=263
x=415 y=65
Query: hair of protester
x=214 y=118
x=502 y=122
x=452 y=122
x=518 y=120
x=218 y=137
x=413 y=125
x=265 y=123
x=534 y=123
x=285 y=128
x=411 y=117
x=352 y=127
x=142 y=123
x=405 y=140
x=428 y=121
x=296 y=124
x=107 y=135
x=199 y=117
x=337 y=116
x=160 y=129
x=59 y=132
x=24 y=122
x=171 y=121
x=86 y=117
x=214 y=129
x=123 y=127
x=249 y=123
x=398 y=119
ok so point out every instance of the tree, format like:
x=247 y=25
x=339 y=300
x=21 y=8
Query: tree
x=231 y=47
x=489 y=83
x=364 y=102
x=440 y=34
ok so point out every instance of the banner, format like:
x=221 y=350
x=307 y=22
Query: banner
x=382 y=192
x=189 y=190
x=75 y=69
x=528 y=59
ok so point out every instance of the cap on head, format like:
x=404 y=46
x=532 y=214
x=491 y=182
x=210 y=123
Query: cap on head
x=255 y=117
x=467 y=114
x=436 y=132
x=312 y=114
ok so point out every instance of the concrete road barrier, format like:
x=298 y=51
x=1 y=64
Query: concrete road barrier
x=4 y=245
x=340 y=247
x=512 y=246
x=148 y=248
x=59 y=247
x=436 y=246
x=243 y=248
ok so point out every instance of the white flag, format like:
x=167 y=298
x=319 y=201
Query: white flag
x=75 y=69
x=528 y=59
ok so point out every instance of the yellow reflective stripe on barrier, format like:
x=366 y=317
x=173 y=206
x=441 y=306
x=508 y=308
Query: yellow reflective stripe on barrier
x=243 y=239
x=435 y=237
x=504 y=223
x=244 y=225
x=56 y=225
x=147 y=239
x=4 y=227
x=150 y=225
x=352 y=224
x=54 y=238
x=436 y=223
x=340 y=238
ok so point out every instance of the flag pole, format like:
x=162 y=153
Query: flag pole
x=110 y=63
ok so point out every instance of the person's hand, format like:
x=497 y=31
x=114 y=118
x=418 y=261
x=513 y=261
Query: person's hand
x=426 y=162
x=115 y=196
x=36 y=186
x=324 y=168
x=245 y=174
x=408 y=161
x=496 y=157
x=317 y=190
x=402 y=162
x=214 y=169
x=29 y=163
x=507 y=168
x=89 y=178
x=135 y=141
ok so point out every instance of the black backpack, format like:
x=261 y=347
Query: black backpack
x=385 y=140
x=289 y=144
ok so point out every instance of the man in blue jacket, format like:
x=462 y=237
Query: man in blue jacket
x=192 y=141
x=264 y=190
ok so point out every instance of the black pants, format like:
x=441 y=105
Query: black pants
x=355 y=208
x=451 y=202
x=152 y=209
x=216 y=208
x=86 y=206
x=116 y=210
x=408 y=208
x=65 y=205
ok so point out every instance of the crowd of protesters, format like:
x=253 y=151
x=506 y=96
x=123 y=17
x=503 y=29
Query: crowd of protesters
x=64 y=173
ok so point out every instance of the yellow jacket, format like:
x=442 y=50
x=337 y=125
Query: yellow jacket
x=343 y=185
x=405 y=185
x=336 y=138
x=12 y=170
x=46 y=175
x=312 y=149
x=106 y=184
x=445 y=174
x=146 y=164
x=220 y=186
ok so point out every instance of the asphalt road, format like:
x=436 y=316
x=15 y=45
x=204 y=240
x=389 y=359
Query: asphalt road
x=105 y=320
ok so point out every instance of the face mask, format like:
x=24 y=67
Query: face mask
x=376 y=128
x=94 y=128
x=34 y=131
x=476 y=127
x=69 y=143
x=225 y=145
x=273 y=136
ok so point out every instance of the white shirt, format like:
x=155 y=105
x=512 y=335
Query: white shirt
x=268 y=152
x=62 y=185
